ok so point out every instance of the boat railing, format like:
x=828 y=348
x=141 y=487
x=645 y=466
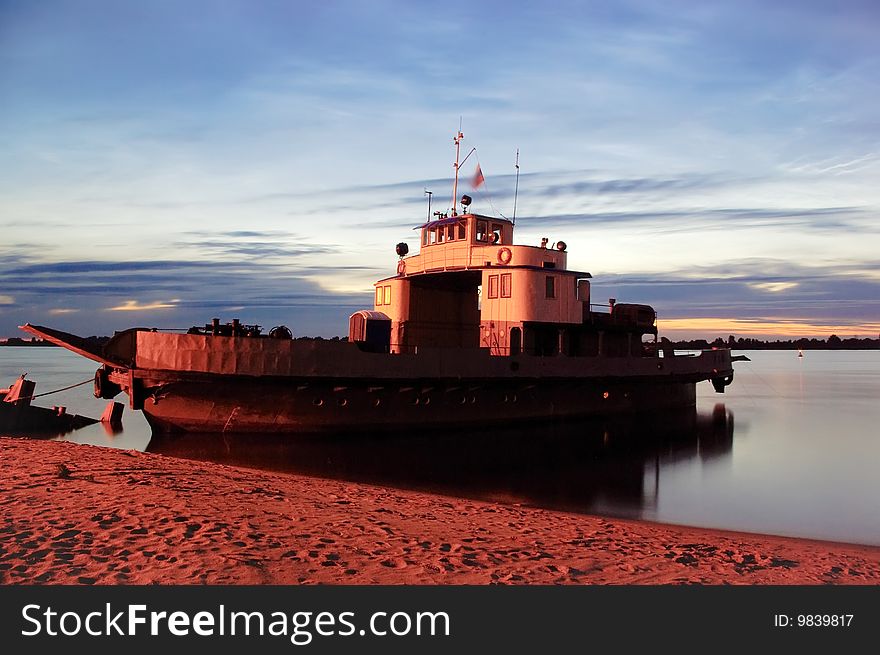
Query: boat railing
x=646 y=349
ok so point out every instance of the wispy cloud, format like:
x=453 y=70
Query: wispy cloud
x=136 y=306
x=834 y=165
x=773 y=287
x=805 y=327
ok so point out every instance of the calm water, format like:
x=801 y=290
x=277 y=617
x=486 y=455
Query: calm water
x=792 y=448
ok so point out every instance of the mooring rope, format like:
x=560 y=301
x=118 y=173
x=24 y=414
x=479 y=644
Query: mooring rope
x=49 y=393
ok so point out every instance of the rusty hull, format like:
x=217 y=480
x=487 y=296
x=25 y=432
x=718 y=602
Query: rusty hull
x=205 y=383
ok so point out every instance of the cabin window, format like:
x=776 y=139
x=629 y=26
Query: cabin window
x=482 y=226
x=505 y=285
x=462 y=230
x=440 y=232
x=432 y=236
x=388 y=294
x=496 y=233
x=550 y=286
x=493 y=286
x=424 y=237
x=380 y=296
x=450 y=233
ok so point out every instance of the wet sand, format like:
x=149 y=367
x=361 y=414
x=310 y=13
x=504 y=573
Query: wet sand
x=76 y=514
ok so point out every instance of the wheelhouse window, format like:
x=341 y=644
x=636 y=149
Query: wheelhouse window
x=482 y=234
x=550 y=286
x=462 y=230
x=493 y=286
x=450 y=233
x=441 y=231
x=496 y=233
x=505 y=285
x=383 y=295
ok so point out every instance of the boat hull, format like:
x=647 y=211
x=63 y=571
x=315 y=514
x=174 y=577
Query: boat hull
x=204 y=383
x=29 y=420
x=242 y=405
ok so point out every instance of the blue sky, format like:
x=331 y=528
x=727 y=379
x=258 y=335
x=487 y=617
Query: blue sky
x=166 y=162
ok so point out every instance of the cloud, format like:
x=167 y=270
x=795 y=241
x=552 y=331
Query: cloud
x=252 y=244
x=618 y=186
x=834 y=164
x=184 y=293
x=768 y=327
x=135 y=306
x=687 y=218
x=7 y=300
x=741 y=290
x=773 y=287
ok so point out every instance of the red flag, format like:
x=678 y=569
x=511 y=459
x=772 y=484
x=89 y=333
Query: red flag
x=478 y=178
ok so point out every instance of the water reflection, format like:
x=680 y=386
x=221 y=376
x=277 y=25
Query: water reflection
x=610 y=466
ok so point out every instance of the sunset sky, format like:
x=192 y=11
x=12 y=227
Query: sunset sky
x=167 y=162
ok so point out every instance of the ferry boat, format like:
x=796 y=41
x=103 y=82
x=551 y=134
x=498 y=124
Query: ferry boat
x=473 y=329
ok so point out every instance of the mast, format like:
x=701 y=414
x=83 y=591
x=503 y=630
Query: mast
x=457 y=139
x=516 y=190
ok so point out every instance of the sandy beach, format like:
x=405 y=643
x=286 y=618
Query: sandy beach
x=76 y=514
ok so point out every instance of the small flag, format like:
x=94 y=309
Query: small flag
x=478 y=178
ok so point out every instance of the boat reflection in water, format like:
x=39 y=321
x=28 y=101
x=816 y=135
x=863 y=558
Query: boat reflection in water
x=606 y=466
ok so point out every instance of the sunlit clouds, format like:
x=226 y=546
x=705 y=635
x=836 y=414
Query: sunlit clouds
x=693 y=328
x=135 y=306
x=773 y=287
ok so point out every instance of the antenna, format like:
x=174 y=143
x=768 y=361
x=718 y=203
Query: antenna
x=457 y=139
x=516 y=188
x=429 y=194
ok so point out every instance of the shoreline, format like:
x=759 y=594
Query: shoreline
x=79 y=514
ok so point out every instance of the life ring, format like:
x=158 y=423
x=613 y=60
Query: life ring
x=401 y=267
x=504 y=256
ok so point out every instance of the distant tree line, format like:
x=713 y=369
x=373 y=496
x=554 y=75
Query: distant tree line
x=18 y=341
x=831 y=343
